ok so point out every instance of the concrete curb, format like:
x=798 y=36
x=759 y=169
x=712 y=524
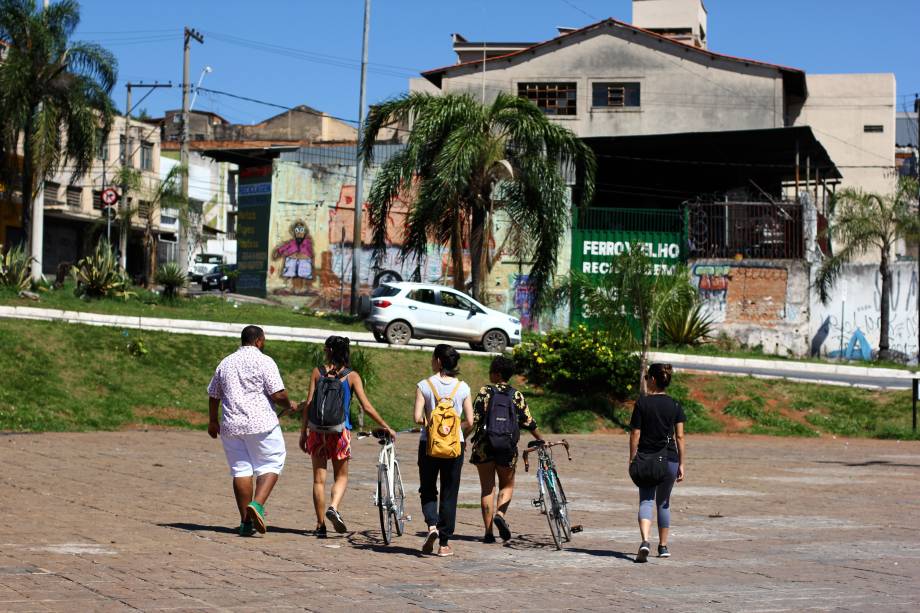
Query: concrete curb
x=212 y=328
x=789 y=368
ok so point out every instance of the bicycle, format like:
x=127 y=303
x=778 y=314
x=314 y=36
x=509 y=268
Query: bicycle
x=389 y=498
x=551 y=501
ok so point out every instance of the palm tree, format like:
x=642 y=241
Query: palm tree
x=462 y=161
x=630 y=300
x=150 y=199
x=50 y=87
x=861 y=222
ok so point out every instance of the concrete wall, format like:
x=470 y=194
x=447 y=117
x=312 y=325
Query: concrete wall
x=838 y=108
x=757 y=302
x=672 y=15
x=681 y=91
x=854 y=305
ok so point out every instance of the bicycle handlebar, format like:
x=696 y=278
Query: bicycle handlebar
x=381 y=434
x=534 y=445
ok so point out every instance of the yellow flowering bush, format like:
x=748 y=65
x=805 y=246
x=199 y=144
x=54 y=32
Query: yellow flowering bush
x=578 y=361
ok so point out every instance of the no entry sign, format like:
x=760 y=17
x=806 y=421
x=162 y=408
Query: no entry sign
x=109 y=196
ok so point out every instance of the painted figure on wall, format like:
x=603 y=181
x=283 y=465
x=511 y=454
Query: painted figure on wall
x=298 y=257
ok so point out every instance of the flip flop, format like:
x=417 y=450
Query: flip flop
x=504 y=530
x=255 y=513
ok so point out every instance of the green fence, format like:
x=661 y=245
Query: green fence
x=600 y=235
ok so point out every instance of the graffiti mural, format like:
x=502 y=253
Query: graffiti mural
x=855 y=307
x=297 y=253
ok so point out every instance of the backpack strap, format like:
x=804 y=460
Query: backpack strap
x=437 y=398
x=343 y=373
x=322 y=370
x=456 y=387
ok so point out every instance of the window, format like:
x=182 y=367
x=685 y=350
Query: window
x=614 y=95
x=384 y=291
x=102 y=146
x=551 y=98
x=97 y=200
x=74 y=195
x=146 y=156
x=422 y=295
x=455 y=301
x=873 y=128
x=168 y=220
x=121 y=151
x=143 y=209
x=51 y=193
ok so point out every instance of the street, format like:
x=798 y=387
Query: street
x=144 y=520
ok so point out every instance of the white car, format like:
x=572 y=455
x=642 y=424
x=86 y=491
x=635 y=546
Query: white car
x=402 y=311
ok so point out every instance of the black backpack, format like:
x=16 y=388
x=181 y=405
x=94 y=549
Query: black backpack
x=501 y=421
x=328 y=411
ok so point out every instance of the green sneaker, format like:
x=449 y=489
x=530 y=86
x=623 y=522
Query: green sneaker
x=246 y=528
x=255 y=513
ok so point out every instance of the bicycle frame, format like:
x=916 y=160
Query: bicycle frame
x=551 y=501
x=386 y=458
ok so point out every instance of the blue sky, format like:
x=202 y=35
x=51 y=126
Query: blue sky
x=308 y=52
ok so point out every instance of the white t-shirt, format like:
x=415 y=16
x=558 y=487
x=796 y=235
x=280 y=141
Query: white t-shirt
x=444 y=386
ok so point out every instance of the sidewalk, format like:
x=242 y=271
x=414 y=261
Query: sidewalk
x=826 y=374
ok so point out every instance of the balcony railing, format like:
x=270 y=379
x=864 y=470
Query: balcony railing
x=750 y=229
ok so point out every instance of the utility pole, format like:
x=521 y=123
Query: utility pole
x=126 y=155
x=917 y=111
x=190 y=33
x=123 y=202
x=359 y=170
x=37 y=240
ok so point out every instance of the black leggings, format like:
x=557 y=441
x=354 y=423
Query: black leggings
x=443 y=514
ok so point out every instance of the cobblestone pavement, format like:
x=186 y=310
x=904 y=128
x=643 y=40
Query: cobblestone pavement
x=143 y=520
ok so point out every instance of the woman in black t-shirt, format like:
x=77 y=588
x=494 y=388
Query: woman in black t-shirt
x=657 y=421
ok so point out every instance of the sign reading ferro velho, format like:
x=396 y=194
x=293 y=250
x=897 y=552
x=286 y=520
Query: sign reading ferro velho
x=593 y=251
x=253 y=217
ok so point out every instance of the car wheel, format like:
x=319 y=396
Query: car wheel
x=380 y=337
x=477 y=347
x=495 y=341
x=398 y=333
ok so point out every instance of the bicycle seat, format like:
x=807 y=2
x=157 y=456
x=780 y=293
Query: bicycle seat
x=535 y=444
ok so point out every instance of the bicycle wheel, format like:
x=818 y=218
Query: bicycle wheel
x=384 y=502
x=399 y=501
x=552 y=510
x=563 y=516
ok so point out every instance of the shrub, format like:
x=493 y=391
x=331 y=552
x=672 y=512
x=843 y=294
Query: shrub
x=98 y=275
x=14 y=268
x=685 y=324
x=171 y=277
x=578 y=362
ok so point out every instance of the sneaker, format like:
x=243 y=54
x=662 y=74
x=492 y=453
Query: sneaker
x=644 y=550
x=431 y=539
x=503 y=530
x=255 y=514
x=337 y=522
x=663 y=551
x=320 y=532
x=246 y=528
x=488 y=539
x=445 y=551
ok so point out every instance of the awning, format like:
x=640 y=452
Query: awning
x=668 y=169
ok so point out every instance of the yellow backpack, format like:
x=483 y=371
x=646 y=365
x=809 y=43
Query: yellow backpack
x=443 y=426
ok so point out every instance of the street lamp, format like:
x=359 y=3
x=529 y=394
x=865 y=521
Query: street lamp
x=204 y=71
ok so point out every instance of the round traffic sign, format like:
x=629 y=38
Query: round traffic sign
x=109 y=196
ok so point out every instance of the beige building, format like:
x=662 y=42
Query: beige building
x=74 y=212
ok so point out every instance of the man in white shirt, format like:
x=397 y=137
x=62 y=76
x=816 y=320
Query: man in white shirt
x=246 y=385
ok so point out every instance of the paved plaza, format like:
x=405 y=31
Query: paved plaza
x=144 y=521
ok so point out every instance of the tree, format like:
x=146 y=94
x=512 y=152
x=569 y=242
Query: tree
x=630 y=301
x=149 y=201
x=861 y=222
x=54 y=94
x=463 y=160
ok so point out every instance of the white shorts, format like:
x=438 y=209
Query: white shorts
x=257 y=454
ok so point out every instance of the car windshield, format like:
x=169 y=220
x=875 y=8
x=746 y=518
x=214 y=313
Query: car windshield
x=456 y=301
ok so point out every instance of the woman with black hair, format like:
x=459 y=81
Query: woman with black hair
x=440 y=517
x=657 y=423
x=324 y=446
